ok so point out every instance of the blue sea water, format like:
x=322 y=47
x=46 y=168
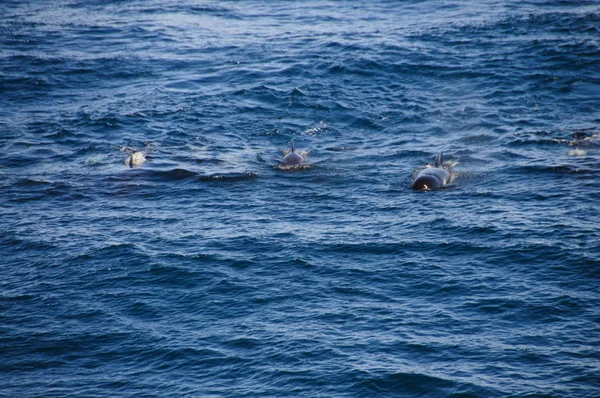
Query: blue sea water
x=207 y=271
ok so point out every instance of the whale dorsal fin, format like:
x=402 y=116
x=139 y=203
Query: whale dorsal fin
x=293 y=148
x=439 y=160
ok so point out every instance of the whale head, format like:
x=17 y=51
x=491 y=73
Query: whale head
x=426 y=182
x=432 y=177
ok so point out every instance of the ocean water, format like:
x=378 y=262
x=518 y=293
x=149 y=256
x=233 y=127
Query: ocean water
x=209 y=272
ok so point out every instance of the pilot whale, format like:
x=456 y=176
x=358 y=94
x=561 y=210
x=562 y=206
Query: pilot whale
x=292 y=158
x=135 y=159
x=432 y=177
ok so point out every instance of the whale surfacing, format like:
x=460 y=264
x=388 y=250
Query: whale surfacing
x=292 y=158
x=432 y=177
x=135 y=159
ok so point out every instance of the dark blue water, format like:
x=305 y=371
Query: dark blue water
x=207 y=271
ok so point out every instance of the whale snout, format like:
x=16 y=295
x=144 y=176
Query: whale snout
x=426 y=183
x=431 y=178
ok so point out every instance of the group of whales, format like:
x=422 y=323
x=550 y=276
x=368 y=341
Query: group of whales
x=430 y=178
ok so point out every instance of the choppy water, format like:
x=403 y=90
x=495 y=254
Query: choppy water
x=208 y=272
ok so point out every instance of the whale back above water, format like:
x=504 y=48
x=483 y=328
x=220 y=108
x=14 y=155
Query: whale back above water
x=292 y=158
x=433 y=177
x=135 y=159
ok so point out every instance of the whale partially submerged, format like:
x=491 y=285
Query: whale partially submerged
x=135 y=159
x=138 y=156
x=292 y=158
x=432 y=177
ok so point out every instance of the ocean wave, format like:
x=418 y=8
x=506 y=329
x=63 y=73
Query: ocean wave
x=208 y=271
